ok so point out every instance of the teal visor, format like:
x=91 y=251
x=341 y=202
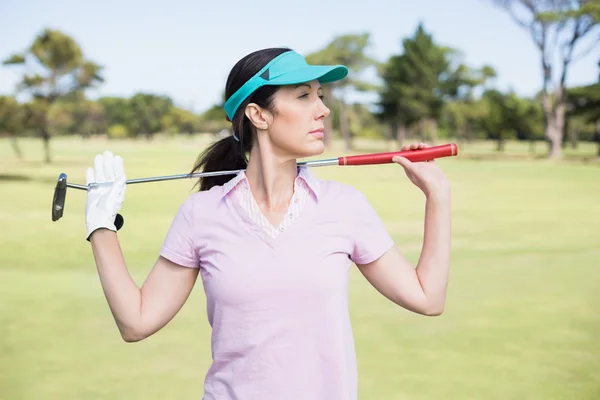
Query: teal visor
x=288 y=68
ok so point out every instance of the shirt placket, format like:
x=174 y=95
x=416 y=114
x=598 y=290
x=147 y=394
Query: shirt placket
x=248 y=203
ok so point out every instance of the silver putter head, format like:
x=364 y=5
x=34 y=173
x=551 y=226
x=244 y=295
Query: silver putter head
x=60 y=194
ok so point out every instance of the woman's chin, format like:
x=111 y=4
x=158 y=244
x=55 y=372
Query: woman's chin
x=312 y=149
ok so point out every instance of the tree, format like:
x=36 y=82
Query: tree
x=58 y=68
x=463 y=111
x=349 y=50
x=11 y=121
x=500 y=117
x=585 y=101
x=88 y=117
x=556 y=27
x=583 y=104
x=59 y=118
x=148 y=112
x=419 y=81
x=463 y=117
x=506 y=115
x=180 y=120
x=214 y=120
x=118 y=113
x=396 y=106
x=529 y=121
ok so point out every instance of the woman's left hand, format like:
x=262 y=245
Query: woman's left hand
x=426 y=175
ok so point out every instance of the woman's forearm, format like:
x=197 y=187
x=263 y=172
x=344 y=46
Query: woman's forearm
x=121 y=291
x=434 y=262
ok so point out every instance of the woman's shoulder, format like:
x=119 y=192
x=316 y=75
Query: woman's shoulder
x=203 y=201
x=340 y=193
x=326 y=188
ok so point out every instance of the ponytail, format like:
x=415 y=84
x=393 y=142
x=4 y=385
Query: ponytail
x=227 y=154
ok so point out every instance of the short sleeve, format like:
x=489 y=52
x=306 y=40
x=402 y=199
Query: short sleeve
x=370 y=236
x=179 y=246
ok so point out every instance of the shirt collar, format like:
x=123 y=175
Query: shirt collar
x=233 y=182
x=303 y=173
x=311 y=181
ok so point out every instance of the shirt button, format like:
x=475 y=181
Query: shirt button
x=281 y=228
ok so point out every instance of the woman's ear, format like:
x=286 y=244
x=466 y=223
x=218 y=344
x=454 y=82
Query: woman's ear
x=257 y=116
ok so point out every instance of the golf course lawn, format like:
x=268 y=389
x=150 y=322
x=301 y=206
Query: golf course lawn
x=522 y=320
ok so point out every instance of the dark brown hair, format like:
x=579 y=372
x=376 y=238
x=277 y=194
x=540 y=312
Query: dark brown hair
x=228 y=153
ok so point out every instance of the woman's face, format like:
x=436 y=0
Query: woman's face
x=296 y=127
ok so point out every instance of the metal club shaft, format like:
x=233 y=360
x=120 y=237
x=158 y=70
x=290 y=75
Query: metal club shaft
x=425 y=154
x=316 y=163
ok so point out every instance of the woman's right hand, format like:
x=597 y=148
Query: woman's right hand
x=426 y=175
x=104 y=201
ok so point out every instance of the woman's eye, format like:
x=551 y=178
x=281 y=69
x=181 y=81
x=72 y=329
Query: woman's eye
x=305 y=95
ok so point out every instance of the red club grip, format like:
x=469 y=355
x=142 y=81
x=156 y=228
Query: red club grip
x=428 y=153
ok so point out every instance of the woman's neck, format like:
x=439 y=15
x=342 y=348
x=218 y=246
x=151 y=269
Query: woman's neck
x=271 y=179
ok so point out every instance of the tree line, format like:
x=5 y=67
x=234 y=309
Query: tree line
x=425 y=91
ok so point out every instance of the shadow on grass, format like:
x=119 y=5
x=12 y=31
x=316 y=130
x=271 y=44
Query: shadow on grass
x=14 y=178
x=62 y=163
x=45 y=180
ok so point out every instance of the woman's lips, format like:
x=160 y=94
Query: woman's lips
x=318 y=133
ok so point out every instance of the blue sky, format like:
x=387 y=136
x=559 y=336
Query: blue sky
x=185 y=49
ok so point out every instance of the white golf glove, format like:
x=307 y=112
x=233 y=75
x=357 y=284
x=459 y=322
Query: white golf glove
x=104 y=201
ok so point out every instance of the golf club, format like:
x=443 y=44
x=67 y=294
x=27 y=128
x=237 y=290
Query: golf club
x=428 y=153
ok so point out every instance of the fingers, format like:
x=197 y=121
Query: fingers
x=107 y=168
x=404 y=162
x=118 y=169
x=89 y=176
x=109 y=171
x=120 y=178
x=414 y=146
x=99 y=169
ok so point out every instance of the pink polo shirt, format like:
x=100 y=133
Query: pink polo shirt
x=278 y=303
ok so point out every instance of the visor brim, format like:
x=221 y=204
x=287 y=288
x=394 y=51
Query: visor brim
x=321 y=73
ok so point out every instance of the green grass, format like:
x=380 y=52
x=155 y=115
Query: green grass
x=521 y=322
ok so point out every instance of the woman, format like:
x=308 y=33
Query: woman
x=274 y=244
